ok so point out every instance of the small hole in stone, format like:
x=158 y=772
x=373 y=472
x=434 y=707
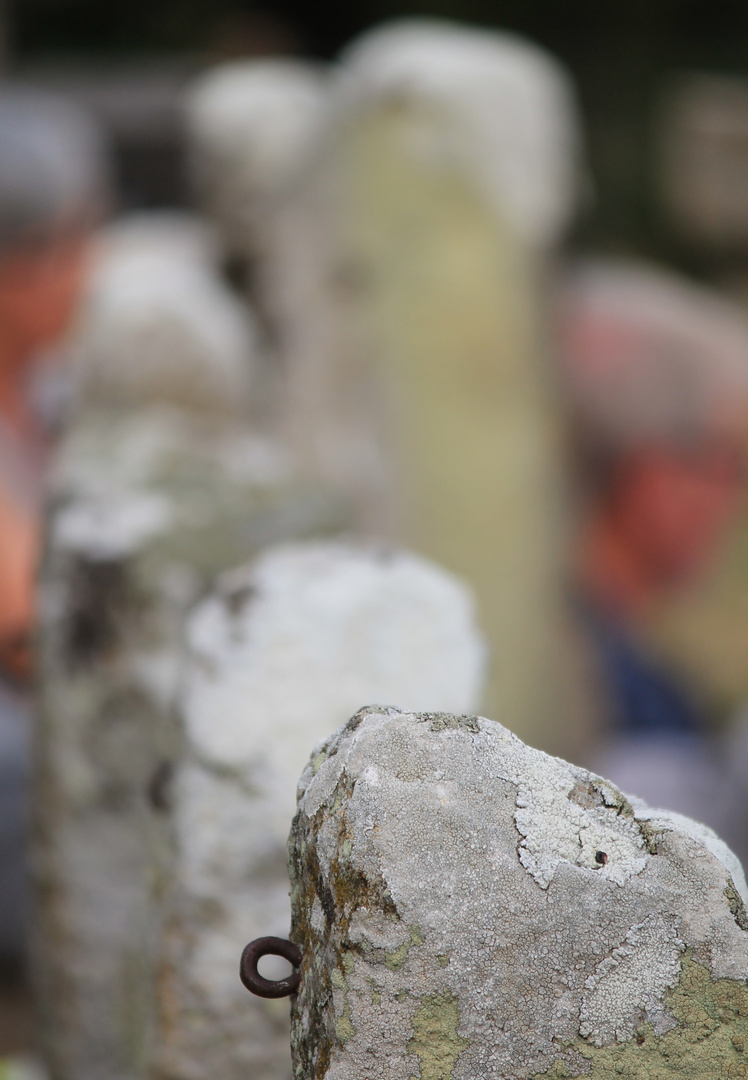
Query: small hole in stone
x=274 y=967
x=601 y=858
x=640 y=1040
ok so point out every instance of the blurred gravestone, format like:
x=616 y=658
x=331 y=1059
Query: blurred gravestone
x=158 y=486
x=412 y=324
x=277 y=657
x=249 y=126
x=469 y=907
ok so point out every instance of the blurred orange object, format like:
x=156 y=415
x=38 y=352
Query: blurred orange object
x=18 y=553
x=53 y=183
x=660 y=523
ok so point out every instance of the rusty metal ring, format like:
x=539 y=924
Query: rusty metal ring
x=269 y=988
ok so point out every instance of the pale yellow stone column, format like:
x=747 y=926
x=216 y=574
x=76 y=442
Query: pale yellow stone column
x=448 y=172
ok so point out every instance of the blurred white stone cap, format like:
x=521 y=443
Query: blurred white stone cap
x=250 y=124
x=159 y=325
x=514 y=117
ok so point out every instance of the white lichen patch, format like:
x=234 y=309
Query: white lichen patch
x=565 y=815
x=670 y=821
x=116 y=528
x=629 y=985
x=448 y=875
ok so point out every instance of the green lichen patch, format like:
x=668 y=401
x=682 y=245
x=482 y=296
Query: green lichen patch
x=442 y=721
x=344 y=1028
x=436 y=1042
x=396 y=960
x=708 y=1041
x=737 y=907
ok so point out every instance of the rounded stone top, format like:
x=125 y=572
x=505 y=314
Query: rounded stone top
x=159 y=325
x=310 y=629
x=508 y=105
x=250 y=124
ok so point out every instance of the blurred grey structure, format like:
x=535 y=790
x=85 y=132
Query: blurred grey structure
x=702 y=136
x=138 y=102
x=160 y=484
x=159 y=324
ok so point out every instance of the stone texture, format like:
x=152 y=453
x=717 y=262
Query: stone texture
x=280 y=654
x=411 y=306
x=470 y=907
x=145 y=510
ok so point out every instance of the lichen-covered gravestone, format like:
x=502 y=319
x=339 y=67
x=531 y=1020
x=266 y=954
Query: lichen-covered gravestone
x=282 y=653
x=412 y=306
x=468 y=907
x=158 y=486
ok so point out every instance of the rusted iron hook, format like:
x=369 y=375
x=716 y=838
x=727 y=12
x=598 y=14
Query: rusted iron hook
x=269 y=988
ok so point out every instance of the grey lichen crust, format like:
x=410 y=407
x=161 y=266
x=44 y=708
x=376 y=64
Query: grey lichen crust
x=470 y=907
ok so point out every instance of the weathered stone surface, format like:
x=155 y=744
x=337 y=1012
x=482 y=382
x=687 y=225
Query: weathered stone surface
x=277 y=657
x=145 y=510
x=159 y=485
x=411 y=307
x=470 y=907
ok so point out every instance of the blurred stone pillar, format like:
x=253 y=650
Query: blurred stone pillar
x=159 y=485
x=279 y=655
x=249 y=127
x=414 y=256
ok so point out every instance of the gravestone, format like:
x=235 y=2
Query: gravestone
x=159 y=485
x=276 y=658
x=414 y=257
x=467 y=907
